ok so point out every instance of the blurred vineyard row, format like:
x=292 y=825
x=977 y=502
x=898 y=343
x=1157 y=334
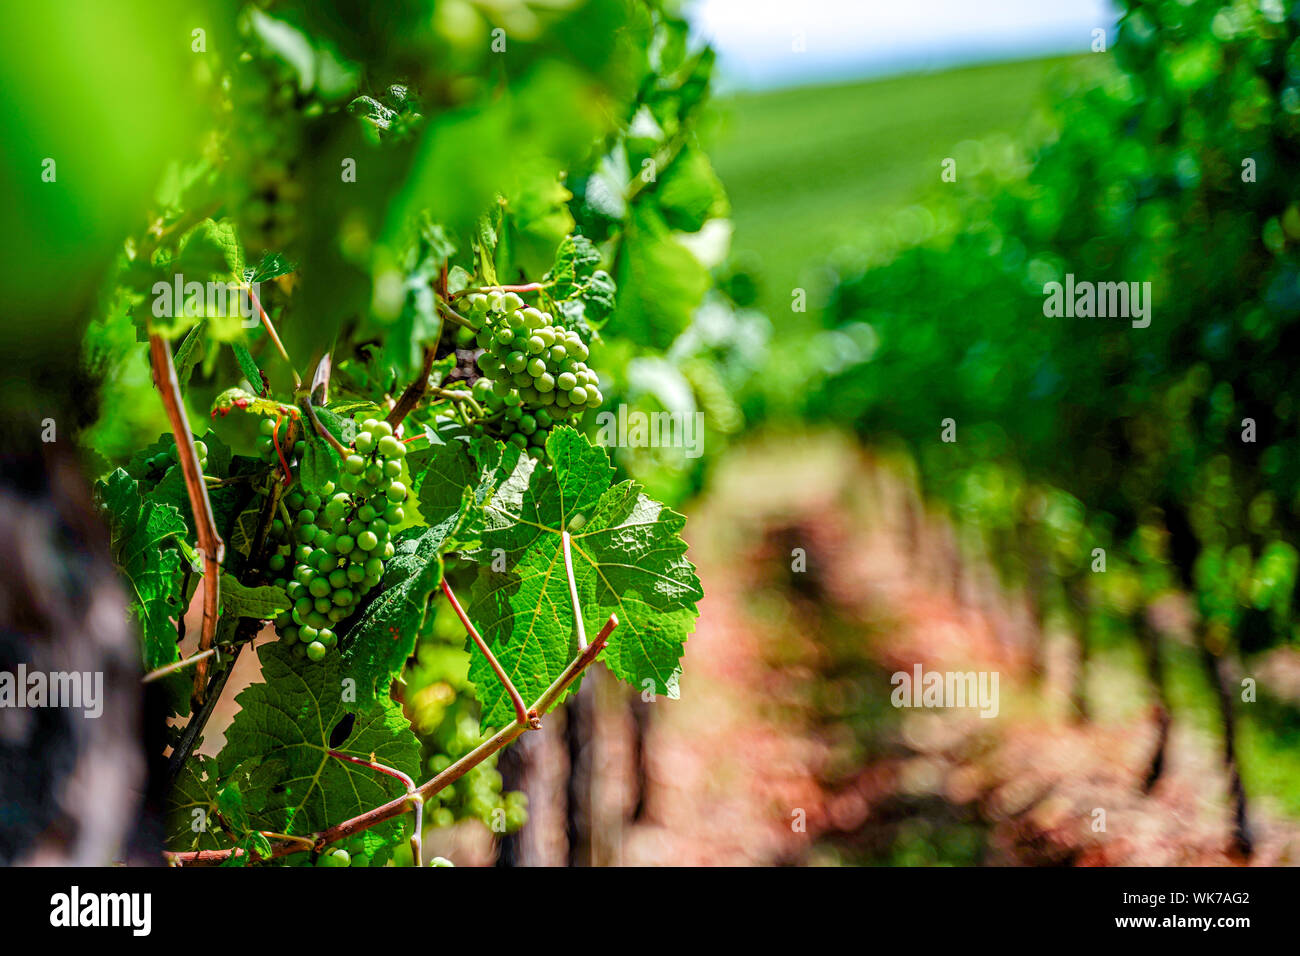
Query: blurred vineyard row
x=1100 y=467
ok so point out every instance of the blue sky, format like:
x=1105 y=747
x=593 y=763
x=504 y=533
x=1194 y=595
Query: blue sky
x=851 y=38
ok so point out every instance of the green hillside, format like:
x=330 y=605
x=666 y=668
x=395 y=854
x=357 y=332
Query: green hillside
x=805 y=168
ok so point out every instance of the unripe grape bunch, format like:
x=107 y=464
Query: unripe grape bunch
x=535 y=372
x=331 y=551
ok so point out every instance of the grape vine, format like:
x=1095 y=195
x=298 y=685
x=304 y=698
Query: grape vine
x=398 y=414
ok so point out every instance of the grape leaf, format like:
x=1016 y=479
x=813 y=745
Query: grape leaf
x=349 y=408
x=190 y=821
x=584 y=292
x=575 y=260
x=273 y=265
x=377 y=646
x=262 y=603
x=629 y=559
x=189 y=352
x=245 y=400
x=278 y=744
x=451 y=483
x=139 y=531
x=689 y=192
x=440 y=474
x=319 y=464
x=245 y=532
x=248 y=366
x=661 y=279
x=344 y=429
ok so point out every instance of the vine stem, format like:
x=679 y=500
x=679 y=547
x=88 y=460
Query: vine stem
x=243 y=630
x=417 y=801
x=452 y=316
x=176 y=666
x=521 y=712
x=573 y=591
x=321 y=430
x=393 y=808
x=412 y=394
x=213 y=548
x=190 y=736
x=272 y=835
x=457 y=395
x=275 y=440
x=275 y=338
x=526 y=287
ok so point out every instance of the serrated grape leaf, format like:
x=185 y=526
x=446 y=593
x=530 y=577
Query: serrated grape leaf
x=575 y=260
x=210 y=249
x=230 y=804
x=140 y=531
x=584 y=292
x=484 y=248
x=261 y=603
x=254 y=844
x=629 y=559
x=377 y=646
x=279 y=743
x=190 y=821
x=440 y=474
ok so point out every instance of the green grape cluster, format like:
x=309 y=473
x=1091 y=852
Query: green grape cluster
x=331 y=551
x=335 y=858
x=535 y=372
x=478 y=793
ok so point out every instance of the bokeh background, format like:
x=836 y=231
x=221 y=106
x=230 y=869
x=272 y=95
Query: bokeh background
x=1107 y=533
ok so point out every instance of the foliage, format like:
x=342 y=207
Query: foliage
x=365 y=197
x=1164 y=444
